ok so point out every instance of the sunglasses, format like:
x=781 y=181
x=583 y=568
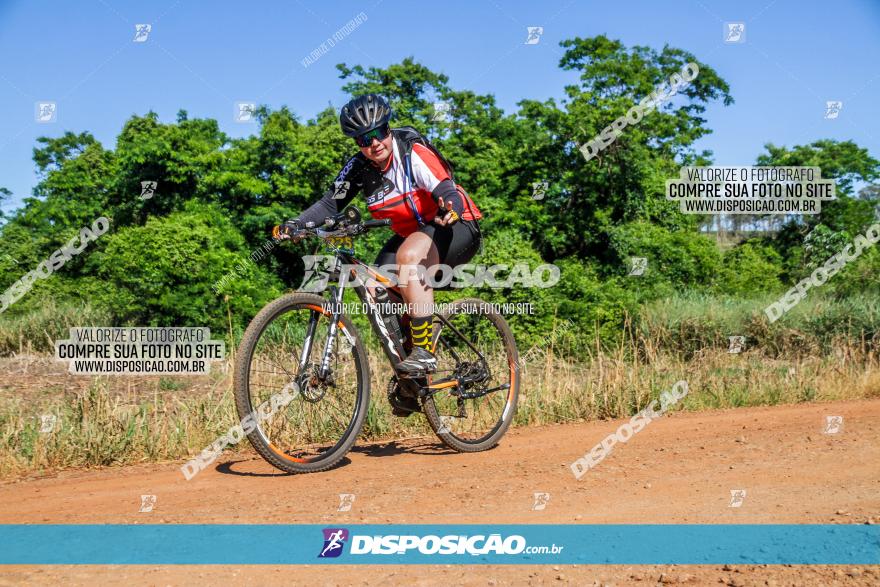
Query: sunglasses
x=366 y=139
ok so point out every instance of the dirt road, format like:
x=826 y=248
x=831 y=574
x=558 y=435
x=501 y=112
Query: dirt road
x=680 y=469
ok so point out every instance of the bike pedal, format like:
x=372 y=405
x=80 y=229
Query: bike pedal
x=403 y=406
x=411 y=387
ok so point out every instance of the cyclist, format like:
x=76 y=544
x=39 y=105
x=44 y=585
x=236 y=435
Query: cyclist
x=405 y=179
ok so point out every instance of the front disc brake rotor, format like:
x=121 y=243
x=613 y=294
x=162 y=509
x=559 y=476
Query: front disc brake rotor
x=312 y=387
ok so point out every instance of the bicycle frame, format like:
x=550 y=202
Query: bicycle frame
x=341 y=366
x=392 y=346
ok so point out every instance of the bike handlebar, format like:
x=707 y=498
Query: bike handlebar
x=377 y=223
x=346 y=222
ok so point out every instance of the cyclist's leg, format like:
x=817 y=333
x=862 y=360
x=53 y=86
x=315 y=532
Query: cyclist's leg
x=386 y=258
x=388 y=253
x=418 y=251
x=463 y=243
x=430 y=245
x=452 y=245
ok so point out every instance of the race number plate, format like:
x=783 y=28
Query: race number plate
x=340 y=242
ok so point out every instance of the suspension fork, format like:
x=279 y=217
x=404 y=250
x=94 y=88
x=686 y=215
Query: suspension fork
x=313 y=326
x=336 y=294
x=307 y=345
x=335 y=312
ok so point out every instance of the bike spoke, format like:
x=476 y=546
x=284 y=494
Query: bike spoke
x=470 y=338
x=306 y=427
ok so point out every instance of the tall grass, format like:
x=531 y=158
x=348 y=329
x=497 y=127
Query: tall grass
x=823 y=350
x=99 y=426
x=691 y=322
x=616 y=385
x=37 y=330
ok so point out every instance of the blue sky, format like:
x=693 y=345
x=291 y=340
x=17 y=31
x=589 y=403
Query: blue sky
x=205 y=56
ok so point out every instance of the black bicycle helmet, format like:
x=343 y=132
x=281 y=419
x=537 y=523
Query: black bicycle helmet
x=363 y=114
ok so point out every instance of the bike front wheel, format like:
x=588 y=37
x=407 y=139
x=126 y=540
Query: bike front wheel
x=301 y=421
x=474 y=342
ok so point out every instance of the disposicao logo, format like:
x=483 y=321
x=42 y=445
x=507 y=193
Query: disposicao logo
x=403 y=544
x=334 y=540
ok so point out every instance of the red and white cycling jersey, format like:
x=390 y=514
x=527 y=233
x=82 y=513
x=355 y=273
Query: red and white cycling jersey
x=396 y=197
x=389 y=193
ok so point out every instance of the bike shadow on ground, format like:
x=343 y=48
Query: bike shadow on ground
x=379 y=449
x=397 y=447
x=227 y=469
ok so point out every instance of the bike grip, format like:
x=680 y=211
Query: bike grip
x=377 y=223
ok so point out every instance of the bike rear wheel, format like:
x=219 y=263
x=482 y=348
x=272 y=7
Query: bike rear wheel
x=475 y=340
x=316 y=428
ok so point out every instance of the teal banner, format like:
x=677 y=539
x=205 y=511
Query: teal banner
x=439 y=544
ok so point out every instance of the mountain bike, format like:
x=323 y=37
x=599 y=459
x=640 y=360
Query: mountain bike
x=309 y=343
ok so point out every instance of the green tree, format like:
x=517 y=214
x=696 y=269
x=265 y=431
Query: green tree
x=751 y=269
x=625 y=181
x=163 y=273
x=844 y=162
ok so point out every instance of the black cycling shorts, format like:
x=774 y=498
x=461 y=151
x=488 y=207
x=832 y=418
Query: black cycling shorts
x=457 y=244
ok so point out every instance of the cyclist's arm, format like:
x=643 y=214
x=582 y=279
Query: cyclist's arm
x=329 y=205
x=430 y=174
x=326 y=206
x=446 y=193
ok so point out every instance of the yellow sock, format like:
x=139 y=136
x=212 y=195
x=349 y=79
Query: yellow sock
x=422 y=329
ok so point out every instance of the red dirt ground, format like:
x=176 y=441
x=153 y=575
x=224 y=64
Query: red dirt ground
x=679 y=469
